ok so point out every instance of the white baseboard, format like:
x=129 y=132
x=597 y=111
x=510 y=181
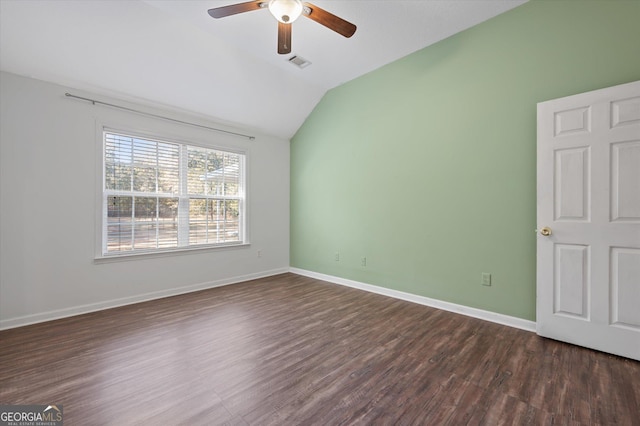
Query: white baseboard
x=114 y=303
x=434 y=303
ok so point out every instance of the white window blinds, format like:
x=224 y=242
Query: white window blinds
x=160 y=195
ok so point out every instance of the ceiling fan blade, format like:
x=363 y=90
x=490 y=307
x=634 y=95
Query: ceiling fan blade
x=284 y=38
x=232 y=9
x=329 y=20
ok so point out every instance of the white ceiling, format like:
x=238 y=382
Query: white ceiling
x=173 y=53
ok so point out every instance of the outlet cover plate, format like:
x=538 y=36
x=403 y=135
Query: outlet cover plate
x=486 y=279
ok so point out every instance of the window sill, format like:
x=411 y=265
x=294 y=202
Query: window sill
x=124 y=257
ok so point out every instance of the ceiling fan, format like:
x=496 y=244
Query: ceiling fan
x=287 y=11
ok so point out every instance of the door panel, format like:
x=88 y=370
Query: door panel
x=625 y=111
x=571 y=280
x=625 y=182
x=573 y=121
x=571 y=190
x=588 y=268
x=625 y=276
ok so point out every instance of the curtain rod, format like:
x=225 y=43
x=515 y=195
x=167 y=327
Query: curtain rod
x=93 y=101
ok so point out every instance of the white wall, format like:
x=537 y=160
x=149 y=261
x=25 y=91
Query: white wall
x=48 y=175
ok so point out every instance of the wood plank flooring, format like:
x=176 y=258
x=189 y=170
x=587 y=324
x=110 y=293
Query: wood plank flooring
x=291 y=350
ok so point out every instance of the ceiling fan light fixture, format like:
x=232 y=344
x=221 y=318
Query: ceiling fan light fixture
x=285 y=11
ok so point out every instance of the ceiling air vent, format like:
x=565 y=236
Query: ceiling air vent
x=299 y=61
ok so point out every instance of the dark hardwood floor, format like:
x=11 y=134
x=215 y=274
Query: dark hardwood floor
x=290 y=350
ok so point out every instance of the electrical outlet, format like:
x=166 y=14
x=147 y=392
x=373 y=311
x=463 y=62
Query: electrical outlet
x=337 y=257
x=486 y=279
x=363 y=261
x=259 y=253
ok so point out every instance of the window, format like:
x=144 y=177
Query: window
x=161 y=195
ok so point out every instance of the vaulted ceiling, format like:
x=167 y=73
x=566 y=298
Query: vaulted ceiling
x=171 y=52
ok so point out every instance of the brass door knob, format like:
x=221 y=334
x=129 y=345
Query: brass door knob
x=546 y=231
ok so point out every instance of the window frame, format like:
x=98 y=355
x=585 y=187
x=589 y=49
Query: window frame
x=168 y=137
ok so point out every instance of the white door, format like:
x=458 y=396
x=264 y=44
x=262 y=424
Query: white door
x=588 y=268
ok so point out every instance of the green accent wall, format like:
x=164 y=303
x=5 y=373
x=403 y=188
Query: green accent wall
x=427 y=166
